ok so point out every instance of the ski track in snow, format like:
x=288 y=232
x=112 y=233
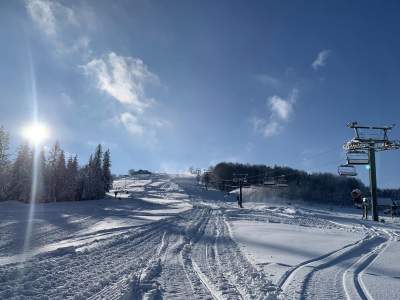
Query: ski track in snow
x=338 y=274
x=191 y=254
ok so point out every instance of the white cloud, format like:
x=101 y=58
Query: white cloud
x=61 y=24
x=321 y=59
x=132 y=123
x=280 y=112
x=42 y=14
x=268 y=127
x=280 y=107
x=123 y=78
x=272 y=128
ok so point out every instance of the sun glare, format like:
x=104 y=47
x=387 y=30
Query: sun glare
x=36 y=133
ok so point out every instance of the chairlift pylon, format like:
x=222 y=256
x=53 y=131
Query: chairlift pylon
x=347 y=170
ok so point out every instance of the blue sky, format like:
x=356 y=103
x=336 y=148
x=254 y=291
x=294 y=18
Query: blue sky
x=172 y=84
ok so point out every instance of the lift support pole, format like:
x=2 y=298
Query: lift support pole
x=371 y=139
x=240 y=193
x=372 y=183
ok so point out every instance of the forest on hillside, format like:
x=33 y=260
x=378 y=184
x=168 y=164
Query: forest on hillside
x=50 y=176
x=314 y=187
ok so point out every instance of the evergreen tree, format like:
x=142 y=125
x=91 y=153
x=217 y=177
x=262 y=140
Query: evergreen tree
x=21 y=175
x=41 y=178
x=60 y=176
x=52 y=172
x=87 y=178
x=56 y=179
x=83 y=185
x=97 y=173
x=106 y=171
x=71 y=179
x=40 y=165
x=4 y=163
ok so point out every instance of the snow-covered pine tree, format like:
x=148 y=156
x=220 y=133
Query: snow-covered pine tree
x=82 y=182
x=71 y=179
x=95 y=177
x=4 y=163
x=41 y=180
x=87 y=180
x=21 y=175
x=60 y=175
x=52 y=172
x=97 y=172
x=76 y=168
x=106 y=171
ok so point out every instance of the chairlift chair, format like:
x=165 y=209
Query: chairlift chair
x=357 y=157
x=282 y=182
x=347 y=170
x=269 y=181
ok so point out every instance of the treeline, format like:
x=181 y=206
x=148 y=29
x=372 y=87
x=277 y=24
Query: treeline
x=394 y=194
x=51 y=177
x=133 y=172
x=316 y=187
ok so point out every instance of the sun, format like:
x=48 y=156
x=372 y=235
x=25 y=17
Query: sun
x=35 y=133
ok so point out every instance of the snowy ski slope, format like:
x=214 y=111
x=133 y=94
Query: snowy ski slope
x=167 y=238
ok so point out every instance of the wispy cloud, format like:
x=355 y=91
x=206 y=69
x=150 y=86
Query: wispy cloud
x=132 y=123
x=123 y=78
x=280 y=112
x=60 y=24
x=42 y=14
x=267 y=79
x=321 y=59
x=267 y=127
x=280 y=107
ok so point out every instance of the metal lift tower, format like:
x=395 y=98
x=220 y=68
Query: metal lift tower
x=361 y=151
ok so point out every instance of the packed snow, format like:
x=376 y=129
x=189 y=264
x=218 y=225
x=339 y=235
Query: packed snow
x=166 y=237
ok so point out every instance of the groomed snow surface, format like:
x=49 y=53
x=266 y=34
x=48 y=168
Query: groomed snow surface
x=168 y=238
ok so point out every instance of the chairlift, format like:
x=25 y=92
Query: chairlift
x=347 y=170
x=282 y=182
x=357 y=157
x=269 y=181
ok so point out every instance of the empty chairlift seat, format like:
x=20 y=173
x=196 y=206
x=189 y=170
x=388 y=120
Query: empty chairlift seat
x=276 y=182
x=269 y=181
x=347 y=170
x=282 y=182
x=357 y=157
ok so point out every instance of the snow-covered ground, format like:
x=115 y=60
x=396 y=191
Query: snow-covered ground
x=320 y=252
x=169 y=238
